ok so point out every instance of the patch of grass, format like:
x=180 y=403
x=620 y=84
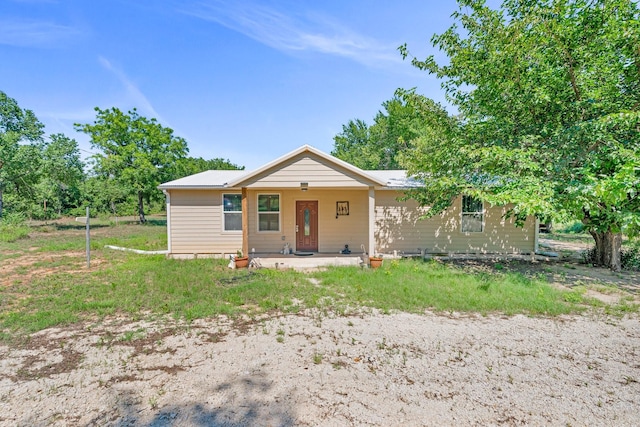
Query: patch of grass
x=70 y=236
x=134 y=284
x=415 y=286
x=575 y=295
x=142 y=285
x=150 y=238
x=624 y=307
x=13 y=227
x=10 y=234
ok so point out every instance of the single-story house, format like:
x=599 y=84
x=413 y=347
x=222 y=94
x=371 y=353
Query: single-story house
x=314 y=202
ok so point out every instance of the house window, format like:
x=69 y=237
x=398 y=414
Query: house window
x=472 y=215
x=232 y=209
x=268 y=212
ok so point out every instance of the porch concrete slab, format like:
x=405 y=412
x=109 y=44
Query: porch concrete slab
x=280 y=261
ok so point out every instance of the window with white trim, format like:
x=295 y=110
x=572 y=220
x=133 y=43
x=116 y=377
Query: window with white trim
x=268 y=212
x=472 y=215
x=232 y=212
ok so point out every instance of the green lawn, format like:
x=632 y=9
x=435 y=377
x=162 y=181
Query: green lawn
x=151 y=286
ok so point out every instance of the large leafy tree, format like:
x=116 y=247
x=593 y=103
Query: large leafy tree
x=136 y=152
x=550 y=95
x=354 y=145
x=18 y=162
x=62 y=175
x=378 y=146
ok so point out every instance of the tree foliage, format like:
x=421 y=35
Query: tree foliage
x=378 y=146
x=18 y=164
x=62 y=174
x=193 y=165
x=549 y=92
x=44 y=178
x=136 y=152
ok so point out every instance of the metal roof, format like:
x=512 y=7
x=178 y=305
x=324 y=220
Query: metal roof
x=206 y=179
x=395 y=179
x=391 y=179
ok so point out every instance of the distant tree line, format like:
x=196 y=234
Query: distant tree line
x=44 y=177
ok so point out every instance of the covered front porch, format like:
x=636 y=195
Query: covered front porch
x=320 y=221
x=307 y=200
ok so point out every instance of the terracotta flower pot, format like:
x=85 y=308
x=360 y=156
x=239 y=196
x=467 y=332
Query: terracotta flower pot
x=375 y=262
x=242 y=262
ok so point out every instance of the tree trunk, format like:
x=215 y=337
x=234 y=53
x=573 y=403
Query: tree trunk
x=1 y=202
x=607 y=251
x=141 y=208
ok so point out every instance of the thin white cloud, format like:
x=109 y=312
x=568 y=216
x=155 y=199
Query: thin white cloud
x=287 y=32
x=69 y=116
x=137 y=97
x=24 y=33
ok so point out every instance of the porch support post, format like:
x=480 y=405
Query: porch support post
x=245 y=222
x=372 y=221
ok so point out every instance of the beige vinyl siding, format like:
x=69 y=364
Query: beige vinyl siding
x=333 y=233
x=307 y=168
x=196 y=223
x=399 y=227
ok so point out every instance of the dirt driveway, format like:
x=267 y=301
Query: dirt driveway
x=317 y=369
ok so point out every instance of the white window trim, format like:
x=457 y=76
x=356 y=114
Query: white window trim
x=272 y=212
x=224 y=230
x=462 y=213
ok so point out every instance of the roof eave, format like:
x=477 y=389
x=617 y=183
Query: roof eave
x=398 y=188
x=190 y=187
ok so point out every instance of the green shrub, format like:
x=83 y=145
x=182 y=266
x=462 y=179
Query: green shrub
x=12 y=218
x=577 y=227
x=13 y=226
x=76 y=212
x=629 y=257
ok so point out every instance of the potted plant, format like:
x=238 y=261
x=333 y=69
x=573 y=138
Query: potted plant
x=241 y=261
x=375 y=261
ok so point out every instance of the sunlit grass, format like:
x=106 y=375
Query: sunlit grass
x=416 y=286
x=11 y=233
x=148 y=285
x=138 y=286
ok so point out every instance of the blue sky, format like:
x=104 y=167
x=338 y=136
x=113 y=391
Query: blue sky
x=247 y=81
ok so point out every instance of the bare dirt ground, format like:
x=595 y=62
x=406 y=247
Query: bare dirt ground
x=316 y=368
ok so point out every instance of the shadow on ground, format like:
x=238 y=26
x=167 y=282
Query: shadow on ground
x=235 y=402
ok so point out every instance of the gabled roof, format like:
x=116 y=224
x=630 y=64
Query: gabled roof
x=392 y=179
x=306 y=149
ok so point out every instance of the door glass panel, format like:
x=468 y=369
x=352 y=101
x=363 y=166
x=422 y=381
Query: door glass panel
x=307 y=223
